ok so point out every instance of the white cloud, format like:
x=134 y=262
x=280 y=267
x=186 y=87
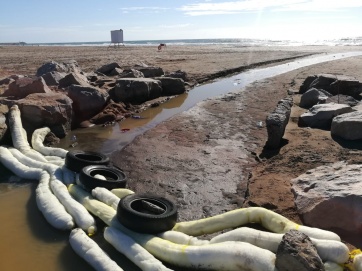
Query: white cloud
x=279 y=5
x=174 y=26
x=321 y=5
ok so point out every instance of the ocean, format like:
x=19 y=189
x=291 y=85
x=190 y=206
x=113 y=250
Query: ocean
x=356 y=41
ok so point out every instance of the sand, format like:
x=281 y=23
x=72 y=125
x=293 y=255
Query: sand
x=205 y=159
x=197 y=61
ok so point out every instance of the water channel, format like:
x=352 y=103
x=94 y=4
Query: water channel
x=111 y=138
x=28 y=242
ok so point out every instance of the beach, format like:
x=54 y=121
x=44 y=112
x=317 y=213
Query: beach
x=208 y=159
x=198 y=61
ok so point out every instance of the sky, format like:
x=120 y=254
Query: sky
x=44 y=21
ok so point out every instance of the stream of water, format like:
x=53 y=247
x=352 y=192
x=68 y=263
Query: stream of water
x=28 y=242
x=111 y=138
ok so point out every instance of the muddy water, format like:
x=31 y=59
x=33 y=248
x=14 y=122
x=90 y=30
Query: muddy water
x=28 y=242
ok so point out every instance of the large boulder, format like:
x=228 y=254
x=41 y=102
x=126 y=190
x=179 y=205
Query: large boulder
x=296 y=252
x=342 y=99
x=171 y=86
x=334 y=84
x=306 y=84
x=22 y=87
x=108 y=68
x=277 y=121
x=179 y=74
x=87 y=101
x=348 y=126
x=65 y=67
x=53 y=110
x=330 y=197
x=136 y=90
x=53 y=78
x=312 y=97
x=150 y=71
x=74 y=78
x=321 y=115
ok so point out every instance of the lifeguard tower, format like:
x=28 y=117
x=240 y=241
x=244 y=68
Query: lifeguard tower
x=116 y=38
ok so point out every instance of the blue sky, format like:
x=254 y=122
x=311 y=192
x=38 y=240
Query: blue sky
x=81 y=21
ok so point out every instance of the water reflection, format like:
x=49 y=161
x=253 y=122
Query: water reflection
x=110 y=138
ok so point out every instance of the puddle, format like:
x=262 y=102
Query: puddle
x=111 y=138
x=28 y=242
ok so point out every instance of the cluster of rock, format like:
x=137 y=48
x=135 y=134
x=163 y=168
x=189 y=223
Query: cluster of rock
x=330 y=197
x=61 y=96
x=333 y=102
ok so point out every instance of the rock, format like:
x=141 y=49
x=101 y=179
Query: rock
x=312 y=97
x=4 y=109
x=4 y=84
x=92 y=77
x=277 y=121
x=22 y=87
x=53 y=78
x=321 y=115
x=53 y=110
x=348 y=126
x=65 y=67
x=171 y=86
x=306 y=84
x=73 y=79
x=179 y=74
x=342 y=99
x=108 y=68
x=136 y=91
x=116 y=71
x=150 y=71
x=51 y=139
x=6 y=81
x=334 y=84
x=49 y=67
x=296 y=252
x=330 y=197
x=87 y=101
x=112 y=112
x=131 y=73
x=105 y=83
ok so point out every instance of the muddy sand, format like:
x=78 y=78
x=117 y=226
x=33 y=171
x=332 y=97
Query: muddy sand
x=210 y=159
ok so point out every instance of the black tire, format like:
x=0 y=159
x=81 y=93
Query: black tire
x=115 y=177
x=76 y=160
x=132 y=214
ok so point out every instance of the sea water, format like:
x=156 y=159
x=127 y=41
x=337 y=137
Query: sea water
x=356 y=41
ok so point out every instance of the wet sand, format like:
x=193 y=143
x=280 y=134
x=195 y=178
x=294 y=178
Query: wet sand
x=203 y=159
